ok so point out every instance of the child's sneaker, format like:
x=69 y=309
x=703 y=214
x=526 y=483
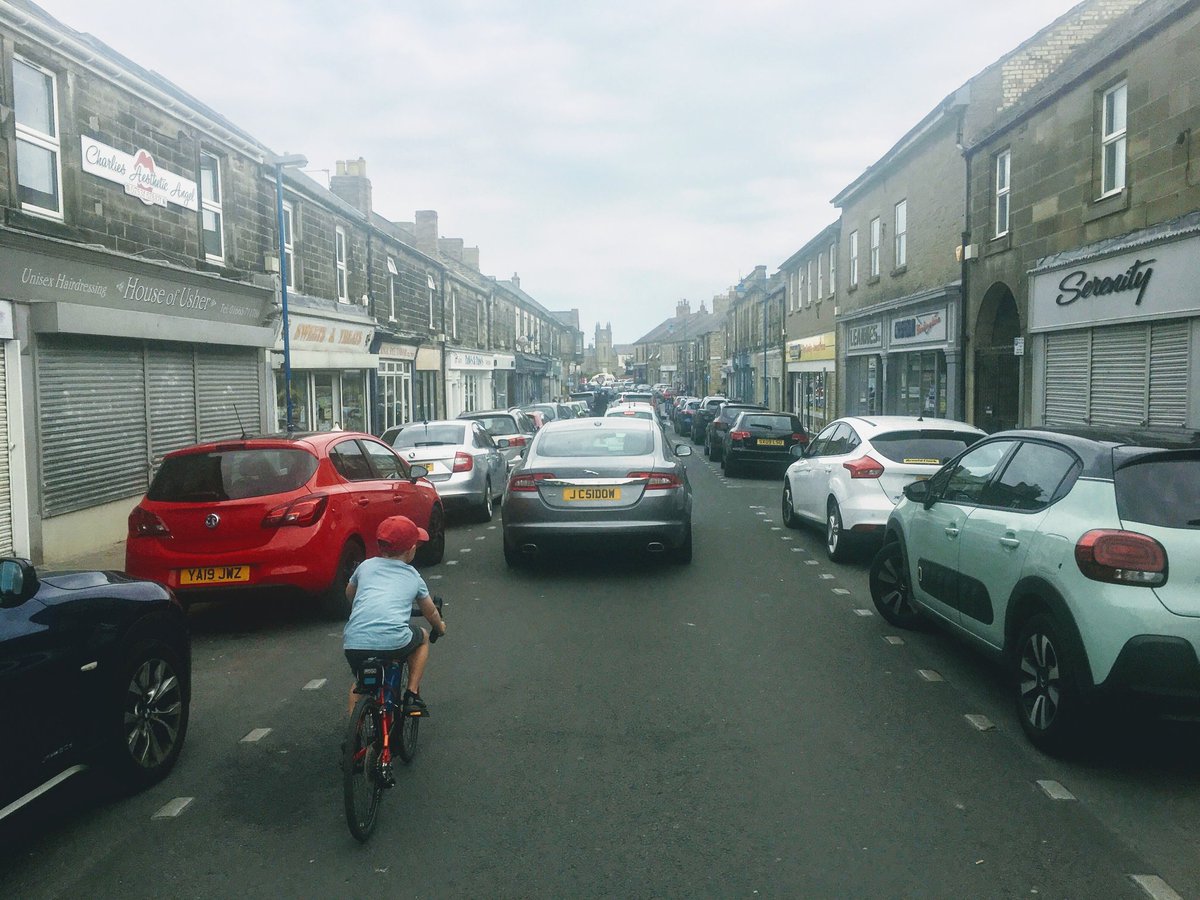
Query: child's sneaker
x=414 y=705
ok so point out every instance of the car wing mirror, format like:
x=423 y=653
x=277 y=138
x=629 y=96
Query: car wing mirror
x=683 y=450
x=798 y=450
x=417 y=471
x=918 y=492
x=18 y=582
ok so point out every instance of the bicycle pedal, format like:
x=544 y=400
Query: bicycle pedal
x=386 y=778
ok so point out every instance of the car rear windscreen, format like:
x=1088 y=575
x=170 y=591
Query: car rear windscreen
x=1160 y=490
x=595 y=442
x=430 y=435
x=231 y=474
x=770 y=423
x=923 y=446
x=498 y=426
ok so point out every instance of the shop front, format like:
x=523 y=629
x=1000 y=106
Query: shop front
x=127 y=361
x=504 y=381
x=393 y=384
x=533 y=372
x=427 y=384
x=331 y=363
x=812 y=380
x=468 y=381
x=1115 y=333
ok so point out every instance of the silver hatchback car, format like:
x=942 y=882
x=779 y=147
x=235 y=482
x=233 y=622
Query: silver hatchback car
x=466 y=465
x=611 y=481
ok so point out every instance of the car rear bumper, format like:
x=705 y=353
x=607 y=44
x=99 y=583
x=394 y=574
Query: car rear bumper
x=743 y=455
x=671 y=534
x=1162 y=667
x=865 y=511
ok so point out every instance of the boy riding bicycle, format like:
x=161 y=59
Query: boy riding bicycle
x=383 y=591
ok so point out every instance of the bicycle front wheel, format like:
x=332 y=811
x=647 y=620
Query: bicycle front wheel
x=404 y=728
x=361 y=763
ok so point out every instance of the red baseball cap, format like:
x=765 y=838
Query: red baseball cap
x=400 y=533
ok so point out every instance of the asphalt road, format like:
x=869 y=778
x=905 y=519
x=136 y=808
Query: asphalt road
x=744 y=726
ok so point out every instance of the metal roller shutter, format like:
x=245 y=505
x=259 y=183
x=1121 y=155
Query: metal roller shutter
x=227 y=382
x=1066 y=377
x=171 y=383
x=91 y=422
x=1170 y=349
x=1119 y=370
x=6 y=536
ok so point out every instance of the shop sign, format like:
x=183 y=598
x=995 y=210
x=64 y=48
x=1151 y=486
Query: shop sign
x=864 y=337
x=460 y=360
x=398 y=351
x=6 y=320
x=311 y=334
x=139 y=174
x=1145 y=283
x=30 y=275
x=920 y=329
x=817 y=347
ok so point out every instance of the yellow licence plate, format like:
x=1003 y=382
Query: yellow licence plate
x=604 y=494
x=214 y=575
x=770 y=442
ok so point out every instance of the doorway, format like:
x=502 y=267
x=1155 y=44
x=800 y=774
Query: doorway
x=997 y=367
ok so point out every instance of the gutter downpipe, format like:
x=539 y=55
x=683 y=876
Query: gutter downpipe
x=964 y=272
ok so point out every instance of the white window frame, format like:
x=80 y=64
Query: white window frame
x=51 y=143
x=832 y=268
x=289 y=242
x=454 y=312
x=854 y=258
x=808 y=295
x=432 y=288
x=820 y=280
x=341 y=277
x=900 y=233
x=876 y=230
x=1113 y=130
x=212 y=205
x=393 y=274
x=1003 y=175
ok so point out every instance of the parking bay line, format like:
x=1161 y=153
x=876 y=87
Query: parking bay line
x=173 y=808
x=256 y=735
x=1155 y=887
x=930 y=675
x=316 y=684
x=979 y=723
x=1054 y=790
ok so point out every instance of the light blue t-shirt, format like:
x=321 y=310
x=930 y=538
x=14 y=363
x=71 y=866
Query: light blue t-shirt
x=383 y=604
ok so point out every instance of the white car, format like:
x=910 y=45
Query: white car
x=632 y=410
x=852 y=474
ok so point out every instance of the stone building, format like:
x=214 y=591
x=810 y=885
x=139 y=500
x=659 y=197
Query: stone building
x=1084 y=238
x=754 y=338
x=810 y=279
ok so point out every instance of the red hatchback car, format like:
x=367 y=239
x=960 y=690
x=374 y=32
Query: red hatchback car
x=294 y=511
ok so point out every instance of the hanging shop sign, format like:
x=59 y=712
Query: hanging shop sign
x=139 y=174
x=864 y=337
x=925 y=328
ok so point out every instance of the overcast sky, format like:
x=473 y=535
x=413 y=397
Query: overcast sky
x=619 y=156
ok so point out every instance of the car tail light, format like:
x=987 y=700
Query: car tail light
x=864 y=467
x=738 y=435
x=658 y=481
x=143 y=523
x=800 y=438
x=1121 y=557
x=302 y=512
x=463 y=462
x=518 y=441
x=527 y=482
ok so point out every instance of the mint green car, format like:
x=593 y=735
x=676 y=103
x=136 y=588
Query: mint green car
x=1075 y=559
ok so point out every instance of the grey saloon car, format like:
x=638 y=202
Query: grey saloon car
x=608 y=482
x=466 y=466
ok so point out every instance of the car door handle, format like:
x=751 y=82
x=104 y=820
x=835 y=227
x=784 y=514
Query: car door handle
x=363 y=501
x=1011 y=542
x=951 y=531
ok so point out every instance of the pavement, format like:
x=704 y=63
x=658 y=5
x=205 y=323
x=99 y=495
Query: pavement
x=109 y=557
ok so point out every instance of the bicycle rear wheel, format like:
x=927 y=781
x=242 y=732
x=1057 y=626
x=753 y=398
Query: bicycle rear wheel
x=361 y=782
x=404 y=728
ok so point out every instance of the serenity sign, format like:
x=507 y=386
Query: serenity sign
x=139 y=174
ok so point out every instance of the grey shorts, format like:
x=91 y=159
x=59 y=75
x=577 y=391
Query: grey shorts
x=357 y=657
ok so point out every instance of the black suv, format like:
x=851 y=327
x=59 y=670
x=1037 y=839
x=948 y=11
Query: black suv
x=714 y=435
x=705 y=413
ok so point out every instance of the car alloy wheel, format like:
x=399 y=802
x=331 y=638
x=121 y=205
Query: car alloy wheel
x=434 y=549
x=837 y=542
x=153 y=714
x=891 y=589
x=334 y=602
x=486 y=508
x=1048 y=703
x=789 y=511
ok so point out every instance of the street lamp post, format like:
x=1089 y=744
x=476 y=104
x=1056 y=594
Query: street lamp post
x=293 y=159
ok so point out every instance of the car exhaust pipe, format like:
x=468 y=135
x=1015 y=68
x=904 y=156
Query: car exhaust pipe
x=529 y=549
x=655 y=547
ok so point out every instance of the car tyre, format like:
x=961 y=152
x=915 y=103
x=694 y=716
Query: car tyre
x=486 y=508
x=683 y=553
x=790 y=519
x=1049 y=705
x=147 y=715
x=707 y=447
x=837 y=541
x=333 y=600
x=730 y=466
x=891 y=587
x=513 y=557
x=432 y=551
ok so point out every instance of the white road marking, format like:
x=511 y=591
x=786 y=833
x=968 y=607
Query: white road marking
x=841 y=591
x=930 y=675
x=1055 y=791
x=773 y=527
x=482 y=537
x=1155 y=887
x=894 y=640
x=757 y=507
x=316 y=684
x=492 y=527
x=464 y=549
x=174 y=808
x=256 y=735
x=786 y=537
x=427 y=578
x=979 y=723
x=795 y=549
x=811 y=562
x=828 y=576
x=452 y=562
x=768 y=521
x=863 y=613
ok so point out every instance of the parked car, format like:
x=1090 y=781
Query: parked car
x=463 y=462
x=296 y=511
x=705 y=413
x=1074 y=558
x=537 y=416
x=634 y=410
x=512 y=425
x=714 y=435
x=761 y=439
x=605 y=480
x=550 y=411
x=851 y=475
x=683 y=418
x=95 y=667
x=635 y=397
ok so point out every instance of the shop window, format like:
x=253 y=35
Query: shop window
x=354 y=401
x=211 y=214
x=39 y=163
x=300 y=417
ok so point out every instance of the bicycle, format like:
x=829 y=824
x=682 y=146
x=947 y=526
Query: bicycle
x=375 y=730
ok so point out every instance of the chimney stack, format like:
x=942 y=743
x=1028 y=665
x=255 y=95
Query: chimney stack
x=471 y=257
x=427 y=231
x=682 y=308
x=516 y=281
x=350 y=183
x=451 y=247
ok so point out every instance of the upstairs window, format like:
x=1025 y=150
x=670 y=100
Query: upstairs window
x=875 y=234
x=211 y=219
x=1003 y=176
x=832 y=269
x=39 y=164
x=393 y=274
x=339 y=259
x=811 y=281
x=901 y=233
x=453 y=313
x=820 y=281
x=1112 y=141
x=854 y=259
x=289 y=243
x=431 y=287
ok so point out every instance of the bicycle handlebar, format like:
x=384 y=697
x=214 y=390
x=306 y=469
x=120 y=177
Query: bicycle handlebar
x=434 y=635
